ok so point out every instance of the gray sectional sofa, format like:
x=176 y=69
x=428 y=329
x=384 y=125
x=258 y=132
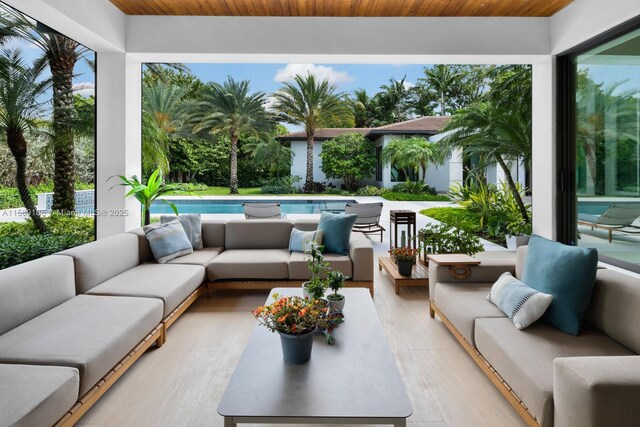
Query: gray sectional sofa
x=549 y=377
x=72 y=323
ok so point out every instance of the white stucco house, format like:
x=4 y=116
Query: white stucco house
x=441 y=177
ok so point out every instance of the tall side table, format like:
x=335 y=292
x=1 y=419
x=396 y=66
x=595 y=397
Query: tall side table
x=399 y=218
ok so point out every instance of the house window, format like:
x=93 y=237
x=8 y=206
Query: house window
x=379 y=164
x=601 y=206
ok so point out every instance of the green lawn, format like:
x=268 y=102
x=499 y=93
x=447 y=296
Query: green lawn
x=462 y=219
x=224 y=191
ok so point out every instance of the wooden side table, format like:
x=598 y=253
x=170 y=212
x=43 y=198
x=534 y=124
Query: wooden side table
x=402 y=217
x=459 y=264
x=419 y=274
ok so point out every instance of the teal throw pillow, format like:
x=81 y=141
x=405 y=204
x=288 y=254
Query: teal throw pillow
x=336 y=230
x=300 y=240
x=568 y=273
x=521 y=303
x=167 y=241
x=192 y=225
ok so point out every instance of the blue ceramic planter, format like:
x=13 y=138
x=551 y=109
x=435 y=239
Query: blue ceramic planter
x=296 y=349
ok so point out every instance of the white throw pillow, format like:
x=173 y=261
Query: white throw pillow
x=300 y=241
x=523 y=304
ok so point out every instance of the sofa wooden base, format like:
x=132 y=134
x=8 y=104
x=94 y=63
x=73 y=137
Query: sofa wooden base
x=486 y=367
x=91 y=397
x=270 y=284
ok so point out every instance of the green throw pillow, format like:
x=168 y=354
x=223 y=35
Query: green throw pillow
x=336 y=230
x=566 y=272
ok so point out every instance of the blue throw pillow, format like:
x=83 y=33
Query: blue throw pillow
x=336 y=230
x=301 y=240
x=167 y=241
x=568 y=273
x=192 y=225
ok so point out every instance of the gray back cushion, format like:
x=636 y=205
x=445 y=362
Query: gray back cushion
x=306 y=224
x=28 y=290
x=614 y=307
x=213 y=233
x=258 y=234
x=144 y=249
x=99 y=261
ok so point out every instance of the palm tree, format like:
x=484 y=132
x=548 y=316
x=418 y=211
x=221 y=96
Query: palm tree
x=394 y=100
x=412 y=153
x=495 y=134
x=163 y=111
x=20 y=107
x=62 y=53
x=231 y=110
x=313 y=104
x=440 y=78
x=275 y=156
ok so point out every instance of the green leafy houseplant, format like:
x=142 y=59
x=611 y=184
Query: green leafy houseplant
x=445 y=239
x=147 y=194
x=335 y=282
x=316 y=285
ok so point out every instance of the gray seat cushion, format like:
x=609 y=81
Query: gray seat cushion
x=170 y=283
x=28 y=290
x=524 y=359
x=200 y=257
x=89 y=333
x=463 y=303
x=121 y=251
x=250 y=264
x=298 y=269
x=36 y=395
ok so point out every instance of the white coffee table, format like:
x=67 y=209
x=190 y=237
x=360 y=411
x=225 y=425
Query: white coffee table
x=354 y=381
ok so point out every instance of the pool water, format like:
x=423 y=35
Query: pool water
x=208 y=206
x=599 y=207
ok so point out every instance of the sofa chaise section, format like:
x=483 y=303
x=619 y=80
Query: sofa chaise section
x=33 y=395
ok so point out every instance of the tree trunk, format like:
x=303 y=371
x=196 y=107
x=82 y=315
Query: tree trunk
x=233 y=181
x=309 y=178
x=18 y=146
x=512 y=186
x=62 y=58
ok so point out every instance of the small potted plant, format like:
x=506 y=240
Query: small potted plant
x=315 y=286
x=296 y=319
x=518 y=233
x=335 y=282
x=405 y=257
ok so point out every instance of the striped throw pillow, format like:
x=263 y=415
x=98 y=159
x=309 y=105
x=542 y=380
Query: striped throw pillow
x=192 y=225
x=167 y=241
x=300 y=240
x=523 y=304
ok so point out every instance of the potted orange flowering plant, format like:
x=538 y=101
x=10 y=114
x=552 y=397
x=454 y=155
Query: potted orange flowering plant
x=405 y=257
x=295 y=319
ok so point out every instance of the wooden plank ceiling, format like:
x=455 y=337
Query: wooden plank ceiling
x=349 y=8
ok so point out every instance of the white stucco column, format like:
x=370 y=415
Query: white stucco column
x=456 y=167
x=543 y=173
x=118 y=136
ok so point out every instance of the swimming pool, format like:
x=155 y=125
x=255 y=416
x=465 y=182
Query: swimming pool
x=223 y=206
x=598 y=207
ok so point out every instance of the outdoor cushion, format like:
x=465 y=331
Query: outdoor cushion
x=191 y=223
x=213 y=233
x=566 y=272
x=250 y=264
x=337 y=231
x=36 y=395
x=300 y=241
x=121 y=251
x=306 y=224
x=521 y=303
x=257 y=234
x=463 y=303
x=90 y=333
x=200 y=257
x=614 y=307
x=521 y=256
x=298 y=269
x=167 y=241
x=170 y=283
x=525 y=358
x=28 y=290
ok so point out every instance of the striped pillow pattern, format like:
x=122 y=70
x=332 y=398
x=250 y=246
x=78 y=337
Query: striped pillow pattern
x=521 y=303
x=301 y=240
x=192 y=225
x=167 y=241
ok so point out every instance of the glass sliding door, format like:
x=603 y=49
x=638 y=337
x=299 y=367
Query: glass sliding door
x=606 y=136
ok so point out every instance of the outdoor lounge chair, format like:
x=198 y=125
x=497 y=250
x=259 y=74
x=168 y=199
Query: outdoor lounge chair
x=368 y=220
x=617 y=217
x=262 y=210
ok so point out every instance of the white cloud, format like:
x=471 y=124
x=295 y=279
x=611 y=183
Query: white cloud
x=408 y=85
x=85 y=89
x=321 y=72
